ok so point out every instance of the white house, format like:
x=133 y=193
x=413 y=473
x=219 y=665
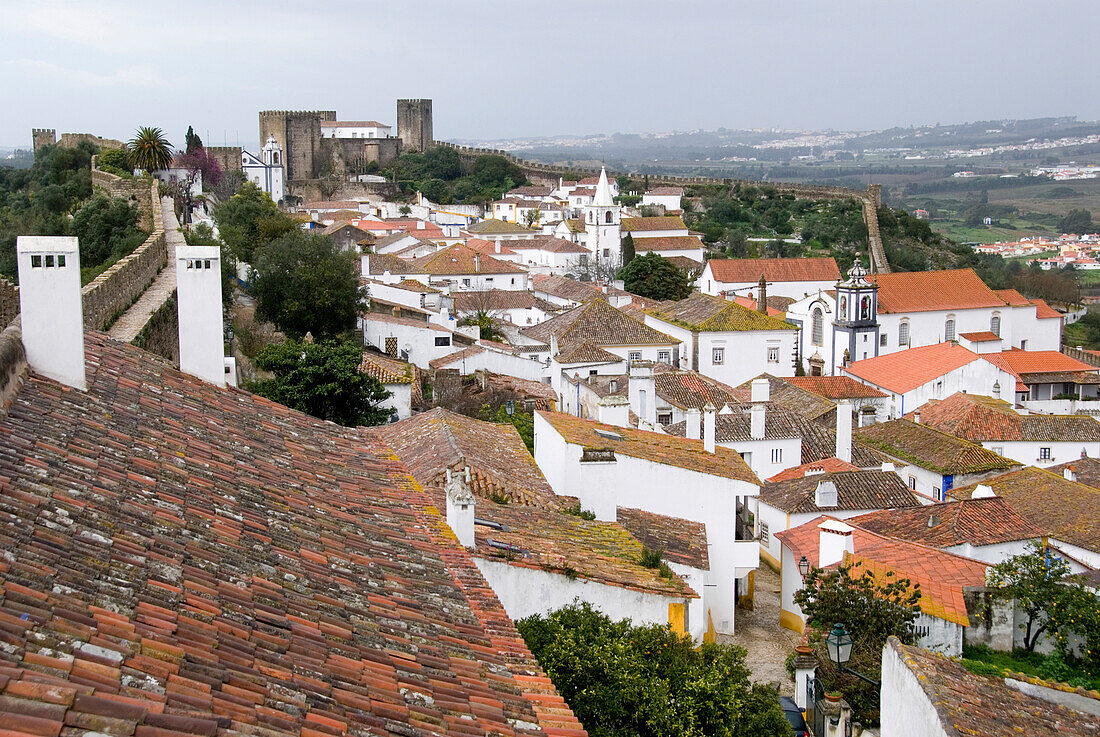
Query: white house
x=484 y=357
x=354 y=129
x=513 y=306
x=459 y=268
x=666 y=197
x=414 y=340
x=549 y=255
x=400 y=379
x=608 y=467
x=725 y=340
x=266 y=171
x=786 y=277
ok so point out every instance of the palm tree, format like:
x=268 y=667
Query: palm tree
x=150 y=150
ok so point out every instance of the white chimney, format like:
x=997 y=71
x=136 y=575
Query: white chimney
x=825 y=494
x=52 y=308
x=1068 y=474
x=199 y=309
x=460 y=506
x=597 y=483
x=757 y=414
x=693 y=417
x=844 y=430
x=916 y=417
x=761 y=390
x=708 y=427
x=477 y=263
x=420 y=225
x=889 y=467
x=835 y=538
x=981 y=491
x=614 y=410
x=642 y=389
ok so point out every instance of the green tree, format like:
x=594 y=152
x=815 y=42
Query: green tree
x=107 y=228
x=150 y=150
x=1037 y=582
x=304 y=283
x=655 y=277
x=191 y=141
x=249 y=219
x=496 y=171
x=623 y=680
x=115 y=161
x=524 y=422
x=323 y=380
x=1076 y=221
x=628 y=249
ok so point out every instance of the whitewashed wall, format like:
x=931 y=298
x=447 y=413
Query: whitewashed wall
x=906 y=710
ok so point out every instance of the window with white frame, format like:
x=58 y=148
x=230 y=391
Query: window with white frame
x=903 y=333
x=998 y=449
x=937 y=494
x=773 y=354
x=913 y=483
x=777 y=455
x=634 y=356
x=1044 y=454
x=995 y=325
x=764 y=533
x=718 y=356
x=664 y=418
x=882 y=339
x=664 y=356
x=817 y=327
x=949 y=328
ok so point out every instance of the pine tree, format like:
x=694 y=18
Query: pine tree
x=192 y=140
x=628 y=249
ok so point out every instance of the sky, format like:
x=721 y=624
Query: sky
x=516 y=69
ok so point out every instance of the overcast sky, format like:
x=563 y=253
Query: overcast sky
x=514 y=68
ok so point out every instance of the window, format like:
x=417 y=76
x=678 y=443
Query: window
x=865 y=308
x=817 y=332
x=664 y=356
x=634 y=356
x=995 y=325
x=1023 y=345
x=607 y=217
x=465 y=282
x=718 y=356
x=773 y=354
x=1068 y=387
x=1044 y=454
x=764 y=533
x=913 y=483
x=949 y=328
x=36 y=262
x=998 y=449
x=664 y=418
x=937 y=494
x=777 y=455
x=443 y=340
x=903 y=333
x=613 y=386
x=882 y=340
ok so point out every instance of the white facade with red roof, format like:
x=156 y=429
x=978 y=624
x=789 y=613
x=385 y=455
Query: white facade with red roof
x=786 y=277
x=667 y=197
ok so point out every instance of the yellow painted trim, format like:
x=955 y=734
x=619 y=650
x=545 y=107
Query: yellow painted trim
x=770 y=560
x=676 y=618
x=791 y=621
x=711 y=635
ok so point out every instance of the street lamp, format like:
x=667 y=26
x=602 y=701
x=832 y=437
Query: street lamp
x=839 y=645
x=803 y=566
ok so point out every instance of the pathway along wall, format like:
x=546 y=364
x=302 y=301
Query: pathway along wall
x=871 y=197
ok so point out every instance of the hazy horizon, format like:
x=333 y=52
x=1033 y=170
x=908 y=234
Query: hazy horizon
x=503 y=69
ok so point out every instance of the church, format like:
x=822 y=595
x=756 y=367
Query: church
x=266 y=171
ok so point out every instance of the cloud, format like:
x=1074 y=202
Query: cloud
x=141 y=75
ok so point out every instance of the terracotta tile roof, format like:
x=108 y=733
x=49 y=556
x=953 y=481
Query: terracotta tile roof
x=925 y=291
x=352 y=124
x=750 y=302
x=666 y=191
x=387 y=370
x=575 y=225
x=1059 y=377
x=1017 y=362
x=981 y=336
x=668 y=243
x=203 y=560
x=337 y=227
x=410 y=322
x=1085 y=470
x=1011 y=297
x=835 y=387
x=543 y=394
x=981 y=419
x=657 y=447
x=599 y=323
x=486 y=247
x=531 y=191
x=689 y=389
x=1067 y=510
x=854 y=490
x=459 y=259
x=547 y=243
x=1043 y=311
x=452 y=358
x=412 y=285
x=640 y=225
x=804 y=403
x=704 y=312
x=906 y=370
x=496 y=227
x=827 y=465
x=929 y=448
x=983 y=521
x=564 y=288
x=586 y=352
x=683 y=541
x=969 y=704
x=739 y=270
x=379 y=263
x=501 y=299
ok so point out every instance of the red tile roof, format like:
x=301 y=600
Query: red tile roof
x=666 y=191
x=827 y=465
x=489 y=247
x=982 y=521
x=459 y=260
x=668 y=243
x=855 y=490
x=981 y=336
x=739 y=270
x=203 y=560
x=1011 y=297
x=387 y=370
x=681 y=541
x=1017 y=362
x=984 y=419
x=926 y=291
x=906 y=370
x=1043 y=311
x=598 y=323
x=835 y=387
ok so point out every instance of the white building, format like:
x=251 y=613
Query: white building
x=602 y=222
x=459 y=268
x=400 y=379
x=408 y=339
x=266 y=171
x=786 y=277
x=666 y=197
x=354 y=129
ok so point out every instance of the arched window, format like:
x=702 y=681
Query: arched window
x=865 y=308
x=275 y=158
x=903 y=333
x=842 y=313
x=817 y=329
x=607 y=216
x=589 y=217
x=949 y=328
x=995 y=324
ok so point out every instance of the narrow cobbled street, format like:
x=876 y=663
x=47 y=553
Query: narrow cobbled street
x=758 y=631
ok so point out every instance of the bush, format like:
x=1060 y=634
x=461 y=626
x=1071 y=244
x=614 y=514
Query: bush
x=107 y=229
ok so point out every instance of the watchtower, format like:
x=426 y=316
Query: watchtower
x=414 y=124
x=298 y=132
x=43 y=137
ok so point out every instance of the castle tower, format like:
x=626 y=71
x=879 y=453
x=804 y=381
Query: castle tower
x=855 y=328
x=43 y=137
x=414 y=124
x=603 y=223
x=298 y=132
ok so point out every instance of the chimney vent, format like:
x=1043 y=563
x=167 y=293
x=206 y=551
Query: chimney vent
x=825 y=494
x=844 y=430
x=761 y=390
x=834 y=540
x=708 y=428
x=693 y=418
x=757 y=416
x=460 y=505
x=51 y=307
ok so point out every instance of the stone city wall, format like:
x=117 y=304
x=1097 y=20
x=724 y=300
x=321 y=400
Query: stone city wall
x=228 y=157
x=135 y=189
x=9 y=301
x=13 y=364
x=161 y=335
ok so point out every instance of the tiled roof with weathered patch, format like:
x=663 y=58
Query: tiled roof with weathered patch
x=740 y=270
x=337 y=227
x=575 y=225
x=497 y=227
x=981 y=521
x=599 y=323
x=501 y=468
x=203 y=560
x=928 y=291
x=379 y=263
x=501 y=299
x=387 y=370
x=565 y=288
x=835 y=387
x=903 y=371
x=1043 y=311
x=1085 y=470
x=453 y=358
x=650 y=224
x=665 y=191
x=983 y=419
x=854 y=490
x=807 y=404
x=705 y=312
x=969 y=704
x=929 y=448
x=659 y=448
x=826 y=465
x=691 y=389
x=682 y=541
x=669 y=243
x=483 y=246
x=457 y=260
x=1012 y=297
x=1067 y=510
x=981 y=336
x=585 y=352
x=548 y=243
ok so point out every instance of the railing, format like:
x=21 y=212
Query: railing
x=815 y=715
